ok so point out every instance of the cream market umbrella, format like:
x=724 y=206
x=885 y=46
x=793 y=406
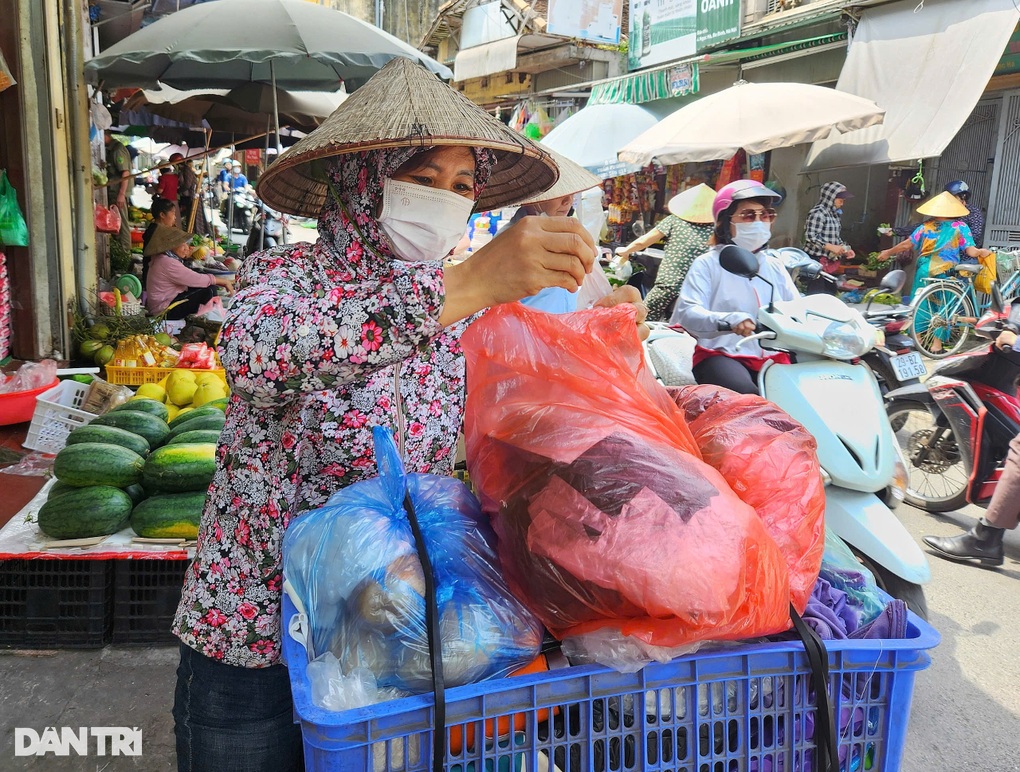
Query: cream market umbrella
x=755 y=117
x=593 y=135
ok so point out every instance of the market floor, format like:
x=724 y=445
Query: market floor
x=110 y=687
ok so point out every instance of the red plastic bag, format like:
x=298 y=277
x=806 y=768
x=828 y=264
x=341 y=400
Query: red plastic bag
x=754 y=444
x=107 y=219
x=606 y=514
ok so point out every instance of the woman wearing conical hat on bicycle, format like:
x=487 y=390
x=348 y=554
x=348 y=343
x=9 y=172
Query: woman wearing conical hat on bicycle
x=940 y=242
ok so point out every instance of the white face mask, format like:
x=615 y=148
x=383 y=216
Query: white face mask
x=422 y=223
x=752 y=235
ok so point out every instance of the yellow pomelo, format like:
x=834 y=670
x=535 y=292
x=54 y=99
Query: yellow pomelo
x=207 y=392
x=152 y=391
x=181 y=392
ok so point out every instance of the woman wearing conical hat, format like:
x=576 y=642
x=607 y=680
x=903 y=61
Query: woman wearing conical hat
x=687 y=230
x=323 y=342
x=941 y=241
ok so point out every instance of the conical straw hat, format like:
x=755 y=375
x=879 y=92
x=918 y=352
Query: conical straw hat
x=164 y=239
x=943 y=205
x=573 y=179
x=404 y=105
x=693 y=204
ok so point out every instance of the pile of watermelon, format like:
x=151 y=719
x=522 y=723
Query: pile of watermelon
x=131 y=467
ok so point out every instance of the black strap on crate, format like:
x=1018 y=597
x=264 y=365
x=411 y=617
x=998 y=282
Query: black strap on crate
x=826 y=742
x=435 y=640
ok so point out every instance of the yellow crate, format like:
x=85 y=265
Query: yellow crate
x=136 y=376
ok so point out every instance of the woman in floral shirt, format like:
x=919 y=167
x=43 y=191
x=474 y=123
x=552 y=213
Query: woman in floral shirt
x=322 y=343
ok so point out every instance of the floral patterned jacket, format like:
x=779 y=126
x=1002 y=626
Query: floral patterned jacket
x=322 y=343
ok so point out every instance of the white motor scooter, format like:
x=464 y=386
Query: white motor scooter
x=836 y=398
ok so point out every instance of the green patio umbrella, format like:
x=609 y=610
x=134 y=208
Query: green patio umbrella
x=288 y=44
x=228 y=43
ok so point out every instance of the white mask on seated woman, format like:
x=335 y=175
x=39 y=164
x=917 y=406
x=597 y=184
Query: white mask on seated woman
x=421 y=222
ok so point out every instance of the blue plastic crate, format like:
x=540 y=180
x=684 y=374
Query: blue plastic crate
x=730 y=709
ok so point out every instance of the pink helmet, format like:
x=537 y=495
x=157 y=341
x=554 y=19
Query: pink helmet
x=740 y=190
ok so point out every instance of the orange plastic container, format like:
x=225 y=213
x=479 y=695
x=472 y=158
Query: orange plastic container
x=500 y=727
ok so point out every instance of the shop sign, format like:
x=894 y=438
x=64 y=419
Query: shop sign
x=252 y=157
x=682 y=80
x=1010 y=61
x=665 y=30
x=661 y=31
x=718 y=22
x=597 y=21
x=614 y=169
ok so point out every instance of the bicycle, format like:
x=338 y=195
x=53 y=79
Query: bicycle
x=947 y=308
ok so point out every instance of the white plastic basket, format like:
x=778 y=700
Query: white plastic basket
x=57 y=412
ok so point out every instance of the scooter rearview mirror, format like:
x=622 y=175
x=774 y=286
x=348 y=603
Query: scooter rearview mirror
x=893 y=281
x=997 y=303
x=742 y=262
x=739 y=261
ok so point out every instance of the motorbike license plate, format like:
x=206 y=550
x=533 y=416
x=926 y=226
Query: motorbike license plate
x=908 y=366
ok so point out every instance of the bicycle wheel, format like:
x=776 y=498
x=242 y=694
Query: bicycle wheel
x=943 y=315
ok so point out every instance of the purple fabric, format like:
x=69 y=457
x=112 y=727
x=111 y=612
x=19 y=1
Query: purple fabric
x=836 y=615
x=891 y=623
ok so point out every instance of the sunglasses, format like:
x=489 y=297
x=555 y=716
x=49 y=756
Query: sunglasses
x=750 y=215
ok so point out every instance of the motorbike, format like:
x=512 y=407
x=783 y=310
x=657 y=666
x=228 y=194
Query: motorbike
x=894 y=361
x=955 y=429
x=836 y=398
x=275 y=225
x=243 y=204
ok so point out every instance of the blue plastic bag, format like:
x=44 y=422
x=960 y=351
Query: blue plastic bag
x=354 y=567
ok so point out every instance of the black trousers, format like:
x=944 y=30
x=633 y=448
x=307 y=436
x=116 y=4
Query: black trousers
x=192 y=299
x=727 y=372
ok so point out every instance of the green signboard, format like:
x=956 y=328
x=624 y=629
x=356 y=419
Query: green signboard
x=666 y=30
x=718 y=22
x=1010 y=61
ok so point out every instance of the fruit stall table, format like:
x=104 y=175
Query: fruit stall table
x=119 y=590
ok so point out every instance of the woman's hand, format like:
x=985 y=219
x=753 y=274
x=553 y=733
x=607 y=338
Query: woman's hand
x=622 y=254
x=222 y=281
x=523 y=259
x=1006 y=339
x=744 y=328
x=631 y=295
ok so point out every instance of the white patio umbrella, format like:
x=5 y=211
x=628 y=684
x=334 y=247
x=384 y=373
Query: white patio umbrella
x=593 y=135
x=755 y=117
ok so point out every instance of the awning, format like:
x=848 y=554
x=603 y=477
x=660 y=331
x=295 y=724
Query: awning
x=486 y=59
x=927 y=68
x=680 y=79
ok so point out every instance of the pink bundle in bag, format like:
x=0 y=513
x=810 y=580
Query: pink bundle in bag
x=606 y=514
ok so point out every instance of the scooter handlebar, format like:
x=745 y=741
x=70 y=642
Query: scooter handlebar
x=764 y=335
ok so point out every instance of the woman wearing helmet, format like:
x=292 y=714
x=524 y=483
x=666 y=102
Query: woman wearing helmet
x=976 y=219
x=719 y=308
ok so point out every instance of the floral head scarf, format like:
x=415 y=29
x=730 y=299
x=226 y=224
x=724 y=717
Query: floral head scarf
x=348 y=228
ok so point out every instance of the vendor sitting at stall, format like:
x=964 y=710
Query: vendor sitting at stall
x=163 y=213
x=170 y=283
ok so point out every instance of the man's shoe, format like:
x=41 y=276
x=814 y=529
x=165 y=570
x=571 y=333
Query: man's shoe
x=982 y=543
